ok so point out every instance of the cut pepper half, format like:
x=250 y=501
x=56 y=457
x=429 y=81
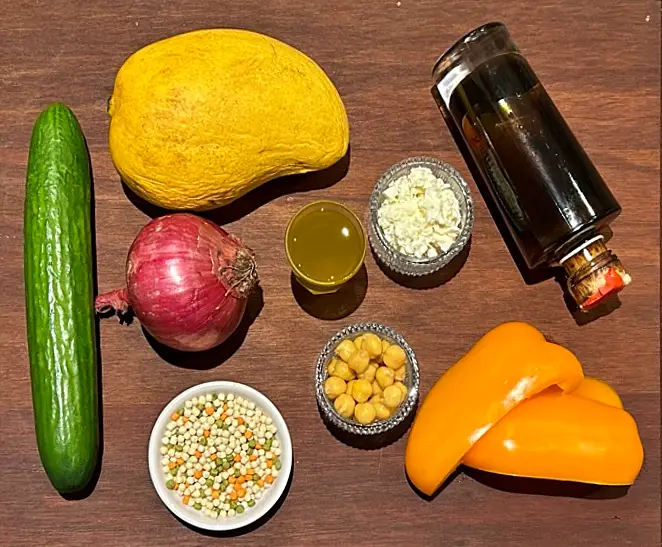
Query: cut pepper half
x=597 y=390
x=508 y=365
x=584 y=436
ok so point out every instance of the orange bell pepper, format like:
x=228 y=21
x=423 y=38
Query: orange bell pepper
x=597 y=390
x=570 y=437
x=509 y=364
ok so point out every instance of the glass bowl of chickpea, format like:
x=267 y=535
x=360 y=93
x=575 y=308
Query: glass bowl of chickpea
x=367 y=379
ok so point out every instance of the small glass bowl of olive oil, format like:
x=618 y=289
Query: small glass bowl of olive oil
x=325 y=244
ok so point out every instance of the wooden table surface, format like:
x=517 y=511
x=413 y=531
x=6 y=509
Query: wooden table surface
x=600 y=61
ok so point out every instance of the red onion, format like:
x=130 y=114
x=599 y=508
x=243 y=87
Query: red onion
x=187 y=282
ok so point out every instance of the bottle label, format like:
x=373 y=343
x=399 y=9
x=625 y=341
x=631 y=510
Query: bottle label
x=505 y=195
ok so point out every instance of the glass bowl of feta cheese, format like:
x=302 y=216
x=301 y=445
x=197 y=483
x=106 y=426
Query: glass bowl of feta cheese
x=421 y=216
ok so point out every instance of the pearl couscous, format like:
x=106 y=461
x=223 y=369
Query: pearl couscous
x=219 y=453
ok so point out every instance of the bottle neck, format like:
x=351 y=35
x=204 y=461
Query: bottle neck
x=593 y=273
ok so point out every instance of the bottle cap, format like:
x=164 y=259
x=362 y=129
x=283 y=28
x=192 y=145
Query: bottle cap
x=594 y=273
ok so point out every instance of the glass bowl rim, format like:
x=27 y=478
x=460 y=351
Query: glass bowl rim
x=453 y=177
x=413 y=380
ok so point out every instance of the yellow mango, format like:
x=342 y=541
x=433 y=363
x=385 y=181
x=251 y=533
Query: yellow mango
x=200 y=119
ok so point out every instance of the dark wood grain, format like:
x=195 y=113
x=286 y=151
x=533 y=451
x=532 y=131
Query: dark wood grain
x=601 y=62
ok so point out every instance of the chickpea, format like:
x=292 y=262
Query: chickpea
x=403 y=388
x=381 y=411
x=384 y=377
x=344 y=405
x=343 y=371
x=359 y=361
x=385 y=346
x=400 y=374
x=334 y=386
x=358 y=342
x=350 y=385
x=361 y=390
x=365 y=413
x=345 y=350
x=372 y=344
x=376 y=388
x=376 y=399
x=394 y=357
x=332 y=366
x=392 y=396
x=369 y=373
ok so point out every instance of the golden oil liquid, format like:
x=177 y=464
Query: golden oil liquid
x=326 y=243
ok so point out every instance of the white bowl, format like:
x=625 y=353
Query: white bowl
x=173 y=501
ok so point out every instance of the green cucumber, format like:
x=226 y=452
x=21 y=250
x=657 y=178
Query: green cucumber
x=59 y=300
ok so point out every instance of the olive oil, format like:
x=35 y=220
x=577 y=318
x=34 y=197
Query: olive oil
x=543 y=184
x=547 y=188
x=325 y=243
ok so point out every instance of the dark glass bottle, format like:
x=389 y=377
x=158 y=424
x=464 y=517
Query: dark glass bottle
x=548 y=192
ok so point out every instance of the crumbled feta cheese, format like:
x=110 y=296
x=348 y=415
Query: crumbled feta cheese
x=419 y=214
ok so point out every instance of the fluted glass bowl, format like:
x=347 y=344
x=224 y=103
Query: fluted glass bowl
x=411 y=380
x=409 y=265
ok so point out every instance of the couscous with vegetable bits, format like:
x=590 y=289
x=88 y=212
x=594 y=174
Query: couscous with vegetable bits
x=219 y=452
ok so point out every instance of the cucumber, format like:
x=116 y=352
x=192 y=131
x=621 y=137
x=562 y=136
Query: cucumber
x=59 y=300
